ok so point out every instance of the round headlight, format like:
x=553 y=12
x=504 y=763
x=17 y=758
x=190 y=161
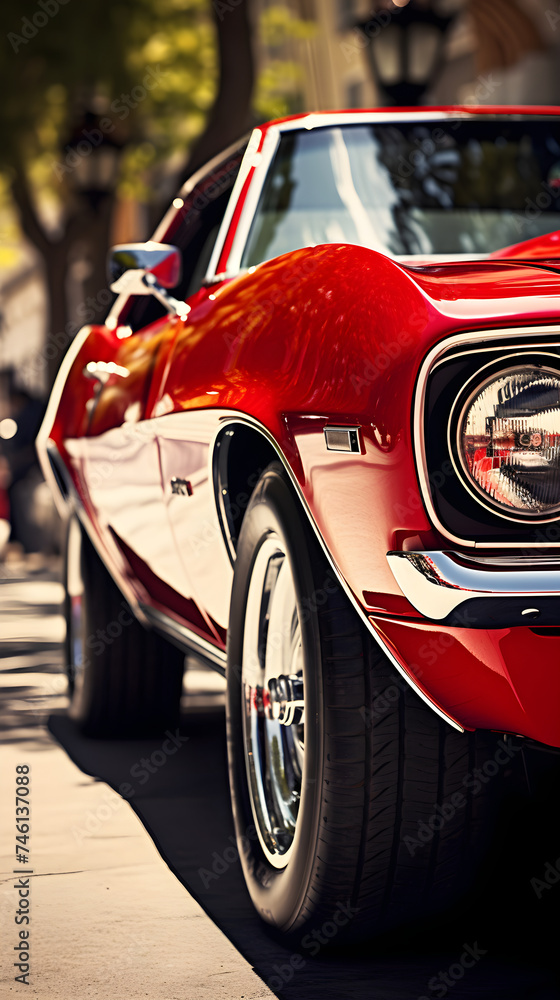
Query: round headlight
x=508 y=440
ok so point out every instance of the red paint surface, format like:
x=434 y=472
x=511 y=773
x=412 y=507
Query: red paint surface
x=336 y=334
x=502 y=679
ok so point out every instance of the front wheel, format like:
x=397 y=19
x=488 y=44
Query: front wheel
x=333 y=785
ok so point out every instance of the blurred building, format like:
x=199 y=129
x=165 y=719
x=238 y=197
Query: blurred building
x=23 y=310
x=502 y=52
x=497 y=51
x=333 y=72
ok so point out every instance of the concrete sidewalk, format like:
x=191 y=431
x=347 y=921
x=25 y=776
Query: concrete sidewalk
x=108 y=919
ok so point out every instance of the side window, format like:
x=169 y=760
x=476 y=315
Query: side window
x=193 y=228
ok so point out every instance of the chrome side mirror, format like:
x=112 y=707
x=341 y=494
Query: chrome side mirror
x=147 y=269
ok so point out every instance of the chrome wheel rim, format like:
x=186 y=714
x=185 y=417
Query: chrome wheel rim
x=273 y=705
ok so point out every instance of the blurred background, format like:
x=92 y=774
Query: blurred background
x=107 y=107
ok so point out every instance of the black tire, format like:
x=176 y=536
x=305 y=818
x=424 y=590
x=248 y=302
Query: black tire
x=124 y=680
x=380 y=768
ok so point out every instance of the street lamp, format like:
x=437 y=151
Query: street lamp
x=405 y=49
x=92 y=158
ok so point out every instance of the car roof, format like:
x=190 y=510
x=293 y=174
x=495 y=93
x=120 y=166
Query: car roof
x=317 y=119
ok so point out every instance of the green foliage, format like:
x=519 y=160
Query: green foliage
x=279 y=87
x=147 y=65
x=278 y=26
x=10 y=243
x=279 y=90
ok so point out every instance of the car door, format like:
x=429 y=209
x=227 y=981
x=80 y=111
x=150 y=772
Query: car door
x=128 y=467
x=184 y=443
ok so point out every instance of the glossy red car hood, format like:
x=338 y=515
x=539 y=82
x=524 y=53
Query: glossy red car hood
x=490 y=289
x=527 y=273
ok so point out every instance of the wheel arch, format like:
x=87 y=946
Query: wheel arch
x=241 y=452
x=227 y=476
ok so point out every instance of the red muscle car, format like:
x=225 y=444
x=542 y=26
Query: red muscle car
x=316 y=443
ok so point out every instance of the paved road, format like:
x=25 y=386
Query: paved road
x=183 y=809
x=108 y=917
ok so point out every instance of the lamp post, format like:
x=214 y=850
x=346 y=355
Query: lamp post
x=92 y=159
x=91 y=167
x=405 y=52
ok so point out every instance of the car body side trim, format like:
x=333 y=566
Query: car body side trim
x=186 y=638
x=199 y=175
x=249 y=160
x=44 y=443
x=268 y=150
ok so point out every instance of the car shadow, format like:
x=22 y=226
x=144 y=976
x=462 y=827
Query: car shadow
x=506 y=928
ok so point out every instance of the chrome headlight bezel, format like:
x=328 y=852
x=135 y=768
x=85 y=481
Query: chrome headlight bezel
x=473 y=389
x=460 y=518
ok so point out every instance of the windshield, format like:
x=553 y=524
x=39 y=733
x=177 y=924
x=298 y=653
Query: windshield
x=451 y=187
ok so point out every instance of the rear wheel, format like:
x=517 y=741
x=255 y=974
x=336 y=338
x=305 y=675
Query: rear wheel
x=353 y=802
x=124 y=680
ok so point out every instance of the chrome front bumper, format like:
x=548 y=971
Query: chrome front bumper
x=480 y=591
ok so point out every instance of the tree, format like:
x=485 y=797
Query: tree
x=230 y=115
x=140 y=74
x=278 y=86
x=138 y=78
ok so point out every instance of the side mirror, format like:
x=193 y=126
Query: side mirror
x=129 y=262
x=147 y=269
